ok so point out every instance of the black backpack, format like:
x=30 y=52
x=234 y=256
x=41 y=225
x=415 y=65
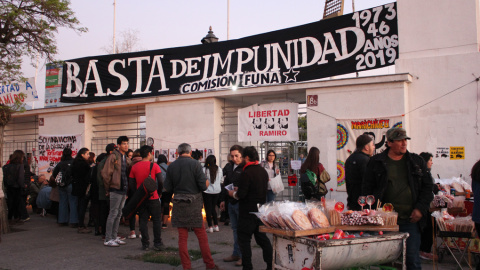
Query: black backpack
x=64 y=176
x=10 y=175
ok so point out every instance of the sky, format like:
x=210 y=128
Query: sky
x=167 y=24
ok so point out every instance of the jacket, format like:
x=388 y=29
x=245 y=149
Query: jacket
x=185 y=176
x=81 y=177
x=231 y=177
x=252 y=189
x=112 y=171
x=355 y=166
x=101 y=186
x=375 y=181
x=14 y=175
x=214 y=188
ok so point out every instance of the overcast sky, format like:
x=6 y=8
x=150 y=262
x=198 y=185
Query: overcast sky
x=167 y=24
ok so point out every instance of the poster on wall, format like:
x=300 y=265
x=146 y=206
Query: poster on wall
x=172 y=155
x=349 y=130
x=50 y=148
x=268 y=122
x=9 y=93
x=53 y=85
x=364 y=40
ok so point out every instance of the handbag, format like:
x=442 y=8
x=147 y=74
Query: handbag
x=276 y=184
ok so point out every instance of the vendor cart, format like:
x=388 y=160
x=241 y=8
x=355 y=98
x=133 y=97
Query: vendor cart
x=298 y=252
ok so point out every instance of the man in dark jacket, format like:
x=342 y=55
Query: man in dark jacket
x=355 y=166
x=251 y=191
x=232 y=173
x=186 y=180
x=399 y=177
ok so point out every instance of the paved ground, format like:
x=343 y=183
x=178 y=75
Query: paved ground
x=41 y=244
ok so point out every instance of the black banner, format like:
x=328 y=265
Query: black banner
x=364 y=40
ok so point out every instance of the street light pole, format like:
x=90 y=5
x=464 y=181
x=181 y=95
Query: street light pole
x=114 y=23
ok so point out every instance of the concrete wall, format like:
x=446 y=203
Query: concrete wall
x=439 y=43
x=65 y=123
x=359 y=101
x=197 y=123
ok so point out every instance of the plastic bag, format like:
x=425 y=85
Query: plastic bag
x=276 y=184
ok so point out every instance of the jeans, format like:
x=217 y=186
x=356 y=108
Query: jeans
x=234 y=214
x=413 y=245
x=203 y=243
x=270 y=195
x=82 y=209
x=68 y=206
x=248 y=226
x=210 y=202
x=151 y=208
x=116 y=204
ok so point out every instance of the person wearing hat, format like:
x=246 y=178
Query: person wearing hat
x=401 y=178
x=355 y=166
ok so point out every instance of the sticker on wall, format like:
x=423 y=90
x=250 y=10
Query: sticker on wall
x=457 y=152
x=442 y=152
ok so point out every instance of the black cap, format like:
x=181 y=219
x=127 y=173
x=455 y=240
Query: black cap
x=363 y=140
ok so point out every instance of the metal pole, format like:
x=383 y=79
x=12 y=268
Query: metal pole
x=228 y=19
x=114 y=23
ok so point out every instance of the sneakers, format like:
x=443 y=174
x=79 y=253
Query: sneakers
x=132 y=235
x=145 y=248
x=119 y=241
x=25 y=219
x=111 y=243
x=164 y=226
x=238 y=263
x=210 y=230
x=216 y=229
x=214 y=268
x=121 y=237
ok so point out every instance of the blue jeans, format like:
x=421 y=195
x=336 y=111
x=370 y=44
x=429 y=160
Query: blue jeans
x=113 y=221
x=234 y=215
x=270 y=195
x=68 y=206
x=413 y=245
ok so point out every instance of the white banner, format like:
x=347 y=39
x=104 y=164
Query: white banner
x=50 y=150
x=10 y=92
x=268 y=122
x=348 y=132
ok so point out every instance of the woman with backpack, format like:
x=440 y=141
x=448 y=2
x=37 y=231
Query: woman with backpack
x=14 y=178
x=313 y=176
x=81 y=179
x=68 y=203
x=211 y=195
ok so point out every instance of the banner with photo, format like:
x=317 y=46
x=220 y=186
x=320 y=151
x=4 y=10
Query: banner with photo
x=268 y=122
x=50 y=150
x=360 y=41
x=9 y=93
x=349 y=130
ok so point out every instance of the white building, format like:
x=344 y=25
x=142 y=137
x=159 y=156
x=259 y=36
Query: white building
x=435 y=87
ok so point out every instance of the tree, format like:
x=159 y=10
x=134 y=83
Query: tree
x=128 y=42
x=27 y=28
x=302 y=126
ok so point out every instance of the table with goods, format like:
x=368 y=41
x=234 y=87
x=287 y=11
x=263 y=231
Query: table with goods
x=451 y=211
x=321 y=235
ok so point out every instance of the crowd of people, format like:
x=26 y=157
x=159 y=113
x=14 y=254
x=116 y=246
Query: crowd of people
x=116 y=186
x=122 y=183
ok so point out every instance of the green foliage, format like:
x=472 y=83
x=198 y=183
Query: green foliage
x=302 y=128
x=169 y=256
x=27 y=28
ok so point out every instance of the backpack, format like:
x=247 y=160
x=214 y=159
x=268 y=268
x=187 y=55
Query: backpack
x=64 y=176
x=10 y=175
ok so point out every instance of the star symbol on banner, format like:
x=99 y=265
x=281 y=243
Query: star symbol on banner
x=291 y=75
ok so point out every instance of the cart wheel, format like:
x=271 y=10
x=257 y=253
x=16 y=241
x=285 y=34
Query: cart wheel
x=441 y=255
